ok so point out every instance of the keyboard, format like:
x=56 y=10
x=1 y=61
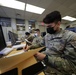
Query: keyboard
x=18 y=46
x=6 y=50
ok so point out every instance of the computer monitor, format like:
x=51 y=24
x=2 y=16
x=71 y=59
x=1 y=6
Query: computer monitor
x=2 y=40
x=16 y=36
x=13 y=37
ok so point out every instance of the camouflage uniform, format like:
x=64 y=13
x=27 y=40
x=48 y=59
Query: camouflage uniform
x=61 y=51
x=36 y=42
x=30 y=38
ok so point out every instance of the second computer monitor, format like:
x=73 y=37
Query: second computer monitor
x=12 y=37
x=2 y=40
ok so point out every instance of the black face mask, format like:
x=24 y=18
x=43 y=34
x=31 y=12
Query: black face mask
x=51 y=30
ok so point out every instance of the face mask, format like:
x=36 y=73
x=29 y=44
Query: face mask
x=51 y=30
x=36 y=34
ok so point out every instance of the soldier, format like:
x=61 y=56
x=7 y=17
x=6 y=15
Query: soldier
x=29 y=37
x=60 y=53
x=38 y=37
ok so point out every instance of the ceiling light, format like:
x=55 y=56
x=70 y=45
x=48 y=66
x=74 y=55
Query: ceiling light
x=69 y=18
x=34 y=9
x=13 y=4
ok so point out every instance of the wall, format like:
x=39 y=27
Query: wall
x=42 y=28
x=21 y=33
x=39 y=26
x=13 y=25
x=62 y=26
x=72 y=24
x=13 y=28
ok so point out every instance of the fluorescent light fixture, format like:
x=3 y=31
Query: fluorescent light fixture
x=34 y=9
x=13 y=4
x=69 y=18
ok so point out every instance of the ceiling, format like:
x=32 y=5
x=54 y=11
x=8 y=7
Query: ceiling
x=66 y=7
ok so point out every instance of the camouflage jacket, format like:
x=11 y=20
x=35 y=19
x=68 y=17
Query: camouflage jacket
x=61 y=51
x=63 y=41
x=36 y=42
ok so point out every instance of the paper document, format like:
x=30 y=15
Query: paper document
x=6 y=50
x=16 y=53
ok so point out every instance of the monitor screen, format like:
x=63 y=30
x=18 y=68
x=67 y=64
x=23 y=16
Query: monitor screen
x=2 y=40
x=15 y=36
x=12 y=38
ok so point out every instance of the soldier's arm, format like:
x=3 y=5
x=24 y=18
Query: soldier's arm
x=49 y=60
x=30 y=38
x=35 y=45
x=70 y=48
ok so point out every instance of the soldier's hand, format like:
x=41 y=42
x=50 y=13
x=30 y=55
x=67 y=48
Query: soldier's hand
x=40 y=56
x=26 y=48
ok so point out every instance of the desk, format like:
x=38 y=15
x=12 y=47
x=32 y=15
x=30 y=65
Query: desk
x=23 y=64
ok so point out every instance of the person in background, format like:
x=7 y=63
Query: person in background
x=29 y=37
x=37 y=38
x=60 y=53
